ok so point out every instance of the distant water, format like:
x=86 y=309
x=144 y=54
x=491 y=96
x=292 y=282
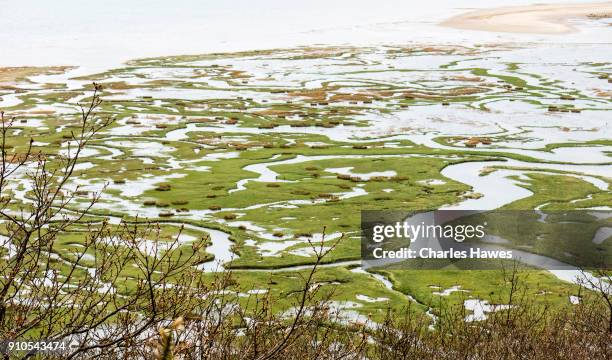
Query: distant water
x=101 y=34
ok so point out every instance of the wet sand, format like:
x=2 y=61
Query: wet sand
x=536 y=19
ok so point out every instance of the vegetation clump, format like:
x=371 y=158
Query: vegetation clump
x=163 y=187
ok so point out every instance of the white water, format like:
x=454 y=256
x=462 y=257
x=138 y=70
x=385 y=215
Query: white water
x=480 y=308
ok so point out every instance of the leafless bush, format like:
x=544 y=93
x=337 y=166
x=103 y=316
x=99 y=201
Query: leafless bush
x=525 y=330
x=108 y=293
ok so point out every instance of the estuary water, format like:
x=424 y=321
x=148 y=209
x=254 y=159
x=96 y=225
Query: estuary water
x=103 y=34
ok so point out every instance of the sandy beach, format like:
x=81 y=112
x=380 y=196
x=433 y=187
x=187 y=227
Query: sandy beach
x=535 y=19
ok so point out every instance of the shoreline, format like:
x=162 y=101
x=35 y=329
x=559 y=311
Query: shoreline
x=532 y=19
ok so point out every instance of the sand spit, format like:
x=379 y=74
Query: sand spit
x=536 y=19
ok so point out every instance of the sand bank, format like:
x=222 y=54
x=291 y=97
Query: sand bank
x=13 y=74
x=536 y=19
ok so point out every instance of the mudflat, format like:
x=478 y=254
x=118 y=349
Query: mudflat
x=536 y=19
